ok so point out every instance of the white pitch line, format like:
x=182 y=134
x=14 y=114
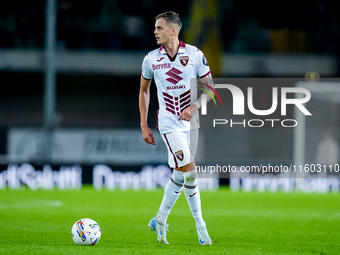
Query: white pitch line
x=32 y=204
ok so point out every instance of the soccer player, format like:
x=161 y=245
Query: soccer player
x=172 y=66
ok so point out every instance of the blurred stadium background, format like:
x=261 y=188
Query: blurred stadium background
x=69 y=100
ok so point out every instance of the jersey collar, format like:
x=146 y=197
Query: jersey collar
x=181 y=48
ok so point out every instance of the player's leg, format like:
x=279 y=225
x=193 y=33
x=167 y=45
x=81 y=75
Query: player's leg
x=173 y=187
x=193 y=197
x=192 y=193
x=191 y=190
x=172 y=191
x=178 y=155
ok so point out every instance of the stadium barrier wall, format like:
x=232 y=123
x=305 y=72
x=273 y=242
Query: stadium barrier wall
x=100 y=176
x=249 y=182
x=146 y=177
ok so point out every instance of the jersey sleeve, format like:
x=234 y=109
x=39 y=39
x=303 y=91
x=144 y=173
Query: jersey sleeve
x=202 y=66
x=147 y=72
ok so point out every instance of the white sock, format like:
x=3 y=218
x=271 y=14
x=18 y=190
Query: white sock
x=192 y=195
x=171 y=193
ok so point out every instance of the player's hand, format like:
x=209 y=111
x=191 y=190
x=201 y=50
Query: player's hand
x=188 y=113
x=148 y=136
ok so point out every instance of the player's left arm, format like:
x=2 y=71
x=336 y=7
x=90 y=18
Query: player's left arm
x=190 y=111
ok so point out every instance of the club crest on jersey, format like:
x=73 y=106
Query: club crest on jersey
x=180 y=155
x=184 y=60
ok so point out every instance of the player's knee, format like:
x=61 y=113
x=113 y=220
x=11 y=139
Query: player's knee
x=177 y=177
x=190 y=176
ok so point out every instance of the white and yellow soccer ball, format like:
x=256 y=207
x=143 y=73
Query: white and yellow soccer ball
x=86 y=232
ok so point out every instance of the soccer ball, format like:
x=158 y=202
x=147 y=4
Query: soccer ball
x=86 y=232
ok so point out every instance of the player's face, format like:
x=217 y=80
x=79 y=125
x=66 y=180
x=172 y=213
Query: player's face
x=162 y=31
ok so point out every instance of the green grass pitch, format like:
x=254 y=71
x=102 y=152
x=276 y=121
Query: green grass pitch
x=40 y=222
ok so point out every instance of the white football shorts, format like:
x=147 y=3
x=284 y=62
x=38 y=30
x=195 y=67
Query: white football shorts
x=182 y=146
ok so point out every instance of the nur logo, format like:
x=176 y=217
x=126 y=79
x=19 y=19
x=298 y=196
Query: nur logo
x=204 y=87
x=239 y=100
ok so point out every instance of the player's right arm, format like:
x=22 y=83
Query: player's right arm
x=144 y=99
